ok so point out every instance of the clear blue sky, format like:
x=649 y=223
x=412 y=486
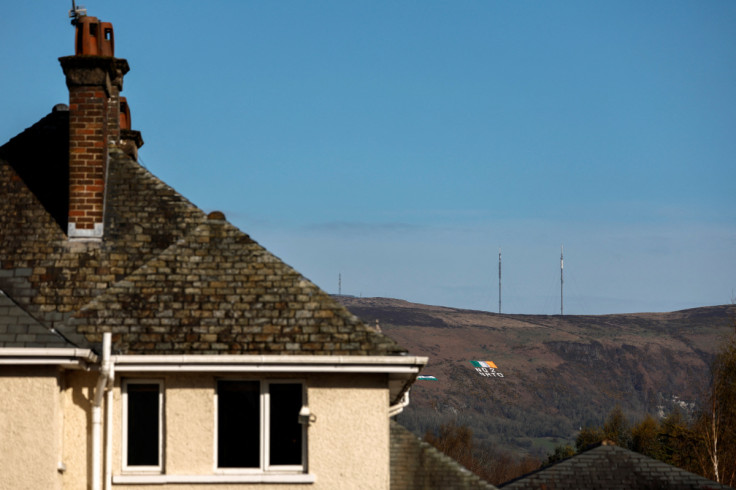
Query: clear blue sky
x=400 y=144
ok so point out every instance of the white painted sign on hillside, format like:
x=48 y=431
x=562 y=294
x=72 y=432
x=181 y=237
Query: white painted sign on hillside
x=487 y=369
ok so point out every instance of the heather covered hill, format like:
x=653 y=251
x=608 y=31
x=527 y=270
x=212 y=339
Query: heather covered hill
x=559 y=373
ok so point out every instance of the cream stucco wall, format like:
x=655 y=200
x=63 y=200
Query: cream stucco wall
x=30 y=428
x=45 y=419
x=79 y=387
x=348 y=444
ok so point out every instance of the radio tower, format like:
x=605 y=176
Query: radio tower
x=499 y=280
x=339 y=284
x=562 y=281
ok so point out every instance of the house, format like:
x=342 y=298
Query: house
x=147 y=344
x=607 y=466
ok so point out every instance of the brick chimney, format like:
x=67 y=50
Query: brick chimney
x=94 y=78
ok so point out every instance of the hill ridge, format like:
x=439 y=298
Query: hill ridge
x=560 y=372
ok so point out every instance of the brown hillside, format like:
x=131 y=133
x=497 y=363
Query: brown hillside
x=559 y=373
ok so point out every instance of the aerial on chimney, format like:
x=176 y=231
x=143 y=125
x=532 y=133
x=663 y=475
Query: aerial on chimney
x=93 y=37
x=76 y=13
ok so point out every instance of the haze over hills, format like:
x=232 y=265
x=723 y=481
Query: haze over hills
x=560 y=373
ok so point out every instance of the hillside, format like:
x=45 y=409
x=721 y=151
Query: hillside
x=559 y=373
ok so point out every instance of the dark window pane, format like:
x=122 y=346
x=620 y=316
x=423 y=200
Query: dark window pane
x=238 y=415
x=286 y=431
x=143 y=421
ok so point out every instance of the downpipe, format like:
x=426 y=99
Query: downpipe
x=108 y=426
x=399 y=407
x=104 y=383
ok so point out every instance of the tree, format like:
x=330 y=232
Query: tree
x=716 y=425
x=587 y=437
x=677 y=442
x=561 y=452
x=457 y=442
x=617 y=428
x=645 y=438
x=706 y=446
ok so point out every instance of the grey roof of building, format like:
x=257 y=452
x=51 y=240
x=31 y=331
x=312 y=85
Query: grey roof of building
x=611 y=467
x=417 y=465
x=165 y=279
x=19 y=329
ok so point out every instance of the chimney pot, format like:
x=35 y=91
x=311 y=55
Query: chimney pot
x=94 y=38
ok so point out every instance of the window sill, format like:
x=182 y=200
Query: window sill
x=254 y=478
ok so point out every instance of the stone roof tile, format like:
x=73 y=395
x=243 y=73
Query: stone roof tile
x=217 y=290
x=52 y=277
x=611 y=467
x=19 y=329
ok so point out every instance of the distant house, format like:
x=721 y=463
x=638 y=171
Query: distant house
x=610 y=467
x=144 y=343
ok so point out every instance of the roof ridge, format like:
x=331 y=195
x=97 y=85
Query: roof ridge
x=119 y=157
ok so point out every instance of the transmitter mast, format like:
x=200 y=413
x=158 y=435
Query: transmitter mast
x=499 y=280
x=562 y=281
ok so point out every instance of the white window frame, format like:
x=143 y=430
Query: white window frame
x=264 y=426
x=140 y=468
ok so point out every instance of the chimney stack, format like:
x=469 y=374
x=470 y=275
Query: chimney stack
x=94 y=78
x=130 y=139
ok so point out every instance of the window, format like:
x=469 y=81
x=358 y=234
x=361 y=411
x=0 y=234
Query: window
x=142 y=427
x=238 y=417
x=258 y=425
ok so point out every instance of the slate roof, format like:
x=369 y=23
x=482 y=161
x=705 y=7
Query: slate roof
x=19 y=329
x=612 y=468
x=166 y=279
x=417 y=465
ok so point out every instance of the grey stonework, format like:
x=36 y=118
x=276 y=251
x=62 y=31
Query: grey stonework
x=19 y=329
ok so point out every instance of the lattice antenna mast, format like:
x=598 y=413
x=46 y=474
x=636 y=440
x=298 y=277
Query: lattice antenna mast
x=76 y=12
x=339 y=284
x=562 y=280
x=499 y=280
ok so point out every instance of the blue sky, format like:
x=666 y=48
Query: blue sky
x=400 y=144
